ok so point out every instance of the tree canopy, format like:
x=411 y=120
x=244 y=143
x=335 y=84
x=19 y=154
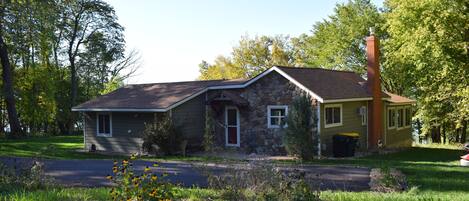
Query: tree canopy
x=424 y=55
x=61 y=53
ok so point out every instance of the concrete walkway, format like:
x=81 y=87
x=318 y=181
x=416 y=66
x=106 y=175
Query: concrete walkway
x=92 y=173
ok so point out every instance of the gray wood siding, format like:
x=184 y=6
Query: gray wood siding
x=351 y=122
x=190 y=119
x=127 y=128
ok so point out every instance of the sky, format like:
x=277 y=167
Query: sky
x=174 y=36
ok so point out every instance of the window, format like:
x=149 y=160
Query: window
x=364 y=114
x=333 y=115
x=400 y=117
x=391 y=118
x=276 y=115
x=104 y=125
x=408 y=117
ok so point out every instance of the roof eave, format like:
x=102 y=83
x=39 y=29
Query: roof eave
x=117 y=110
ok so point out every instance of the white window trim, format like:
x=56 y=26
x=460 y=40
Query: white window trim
x=110 y=125
x=341 y=115
x=395 y=118
x=238 y=127
x=269 y=107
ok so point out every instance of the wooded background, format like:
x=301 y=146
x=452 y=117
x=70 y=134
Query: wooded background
x=424 y=55
x=56 y=54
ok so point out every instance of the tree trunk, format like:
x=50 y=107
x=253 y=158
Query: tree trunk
x=8 y=89
x=443 y=133
x=464 y=132
x=436 y=135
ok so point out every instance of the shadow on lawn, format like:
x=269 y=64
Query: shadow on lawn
x=428 y=168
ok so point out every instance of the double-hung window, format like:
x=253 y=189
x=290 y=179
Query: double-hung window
x=408 y=117
x=332 y=115
x=400 y=117
x=391 y=118
x=104 y=125
x=276 y=116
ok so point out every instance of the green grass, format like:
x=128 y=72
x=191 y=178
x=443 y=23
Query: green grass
x=98 y=194
x=432 y=171
x=54 y=147
x=434 y=174
x=71 y=147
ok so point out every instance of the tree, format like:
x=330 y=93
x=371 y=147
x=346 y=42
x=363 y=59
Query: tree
x=249 y=58
x=427 y=52
x=7 y=76
x=89 y=21
x=338 y=41
x=298 y=138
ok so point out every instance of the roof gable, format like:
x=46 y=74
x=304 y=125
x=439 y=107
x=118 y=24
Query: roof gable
x=322 y=84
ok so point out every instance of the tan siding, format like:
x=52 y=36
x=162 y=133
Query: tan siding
x=127 y=128
x=395 y=137
x=351 y=122
x=190 y=118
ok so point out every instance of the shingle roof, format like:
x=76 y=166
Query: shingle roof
x=394 y=98
x=327 y=84
x=152 y=96
x=330 y=84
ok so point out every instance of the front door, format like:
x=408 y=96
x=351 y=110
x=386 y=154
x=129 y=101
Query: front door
x=232 y=126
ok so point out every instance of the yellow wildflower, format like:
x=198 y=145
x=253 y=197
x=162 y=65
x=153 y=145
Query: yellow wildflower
x=154 y=177
x=147 y=169
x=109 y=177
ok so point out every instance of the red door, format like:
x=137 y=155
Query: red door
x=232 y=126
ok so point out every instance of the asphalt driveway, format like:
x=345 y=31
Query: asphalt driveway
x=92 y=173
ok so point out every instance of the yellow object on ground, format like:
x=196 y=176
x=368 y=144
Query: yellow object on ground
x=351 y=134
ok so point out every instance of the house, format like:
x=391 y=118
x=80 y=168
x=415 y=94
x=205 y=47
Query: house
x=248 y=113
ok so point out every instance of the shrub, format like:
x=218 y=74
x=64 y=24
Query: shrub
x=28 y=177
x=262 y=181
x=298 y=133
x=164 y=134
x=209 y=132
x=130 y=186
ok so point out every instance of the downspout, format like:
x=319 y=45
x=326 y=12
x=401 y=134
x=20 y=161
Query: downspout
x=84 y=131
x=319 y=128
x=367 y=125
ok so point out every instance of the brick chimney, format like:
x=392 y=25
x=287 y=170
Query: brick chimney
x=373 y=83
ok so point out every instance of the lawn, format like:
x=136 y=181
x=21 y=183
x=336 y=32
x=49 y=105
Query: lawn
x=432 y=172
x=54 y=147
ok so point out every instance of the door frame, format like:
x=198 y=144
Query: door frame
x=237 y=127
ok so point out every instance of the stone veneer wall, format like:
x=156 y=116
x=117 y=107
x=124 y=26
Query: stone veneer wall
x=255 y=136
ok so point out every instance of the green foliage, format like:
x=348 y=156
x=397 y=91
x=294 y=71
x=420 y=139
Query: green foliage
x=428 y=56
x=338 y=41
x=45 y=39
x=263 y=181
x=164 y=134
x=298 y=132
x=249 y=58
x=24 y=176
x=130 y=186
x=112 y=85
x=209 y=132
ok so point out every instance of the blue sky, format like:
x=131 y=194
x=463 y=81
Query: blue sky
x=174 y=36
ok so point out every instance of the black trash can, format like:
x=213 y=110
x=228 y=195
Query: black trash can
x=343 y=144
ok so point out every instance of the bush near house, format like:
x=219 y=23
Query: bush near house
x=298 y=137
x=164 y=134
